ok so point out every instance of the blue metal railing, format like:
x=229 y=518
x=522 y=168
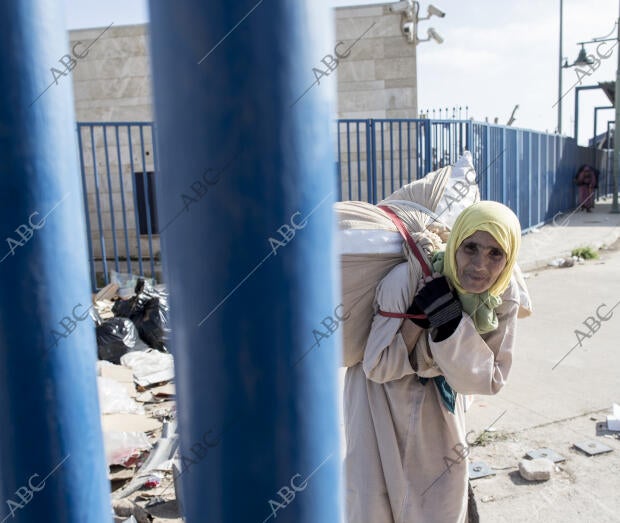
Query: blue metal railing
x=530 y=172
x=114 y=157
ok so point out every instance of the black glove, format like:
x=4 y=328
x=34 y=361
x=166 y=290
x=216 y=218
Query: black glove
x=441 y=305
x=420 y=322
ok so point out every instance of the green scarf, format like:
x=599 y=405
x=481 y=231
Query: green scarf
x=481 y=309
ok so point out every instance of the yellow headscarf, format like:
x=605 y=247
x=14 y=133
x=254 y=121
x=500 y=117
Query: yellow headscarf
x=501 y=223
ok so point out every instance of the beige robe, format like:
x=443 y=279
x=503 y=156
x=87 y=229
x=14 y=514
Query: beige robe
x=400 y=438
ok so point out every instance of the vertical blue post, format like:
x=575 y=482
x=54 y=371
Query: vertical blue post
x=428 y=148
x=51 y=448
x=250 y=262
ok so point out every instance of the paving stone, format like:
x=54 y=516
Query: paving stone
x=539 y=469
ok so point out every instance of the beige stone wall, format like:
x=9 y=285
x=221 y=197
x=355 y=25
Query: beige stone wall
x=378 y=79
x=113 y=82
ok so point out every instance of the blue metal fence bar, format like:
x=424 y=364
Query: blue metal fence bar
x=359 y=163
x=290 y=411
x=529 y=181
x=147 y=203
x=52 y=458
x=428 y=151
x=518 y=138
x=382 y=160
x=122 y=188
x=371 y=170
x=400 y=154
x=409 y=152
x=91 y=253
x=391 y=158
x=339 y=163
x=134 y=191
x=104 y=257
x=104 y=130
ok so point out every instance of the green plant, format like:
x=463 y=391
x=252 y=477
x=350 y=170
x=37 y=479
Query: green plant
x=587 y=253
x=489 y=437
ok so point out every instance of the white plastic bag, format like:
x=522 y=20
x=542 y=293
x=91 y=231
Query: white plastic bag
x=114 y=398
x=122 y=448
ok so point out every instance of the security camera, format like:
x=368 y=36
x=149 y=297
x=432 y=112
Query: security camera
x=432 y=10
x=434 y=35
x=401 y=7
x=409 y=31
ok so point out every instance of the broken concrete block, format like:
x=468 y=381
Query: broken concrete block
x=125 y=508
x=539 y=469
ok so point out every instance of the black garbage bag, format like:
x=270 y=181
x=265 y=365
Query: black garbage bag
x=124 y=308
x=148 y=310
x=115 y=337
x=152 y=324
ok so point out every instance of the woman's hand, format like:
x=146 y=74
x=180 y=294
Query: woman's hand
x=438 y=301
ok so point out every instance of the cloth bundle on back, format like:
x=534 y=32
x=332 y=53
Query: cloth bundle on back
x=371 y=244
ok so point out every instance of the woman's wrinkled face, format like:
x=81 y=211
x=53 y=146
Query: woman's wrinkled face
x=479 y=262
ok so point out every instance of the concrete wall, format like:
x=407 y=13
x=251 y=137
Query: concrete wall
x=378 y=79
x=113 y=82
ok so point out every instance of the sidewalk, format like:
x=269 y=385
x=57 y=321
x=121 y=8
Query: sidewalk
x=566 y=232
x=560 y=384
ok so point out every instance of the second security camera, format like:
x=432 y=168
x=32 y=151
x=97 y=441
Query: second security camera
x=432 y=10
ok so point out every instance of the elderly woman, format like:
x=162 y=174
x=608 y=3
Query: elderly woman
x=404 y=413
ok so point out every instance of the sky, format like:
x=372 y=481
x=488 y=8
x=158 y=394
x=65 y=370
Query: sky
x=496 y=54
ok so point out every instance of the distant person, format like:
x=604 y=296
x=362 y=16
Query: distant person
x=407 y=445
x=586 y=183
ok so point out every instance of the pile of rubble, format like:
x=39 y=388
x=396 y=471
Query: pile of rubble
x=137 y=399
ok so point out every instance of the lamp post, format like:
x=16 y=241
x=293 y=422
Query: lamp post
x=560 y=73
x=616 y=170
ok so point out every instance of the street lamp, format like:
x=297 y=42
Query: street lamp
x=582 y=57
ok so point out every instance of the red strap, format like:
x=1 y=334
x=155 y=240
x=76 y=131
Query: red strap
x=402 y=315
x=405 y=234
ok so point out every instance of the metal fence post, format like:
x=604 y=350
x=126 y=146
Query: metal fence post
x=251 y=267
x=51 y=449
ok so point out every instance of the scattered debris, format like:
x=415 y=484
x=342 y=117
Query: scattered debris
x=479 y=469
x=539 y=469
x=562 y=262
x=593 y=447
x=545 y=453
x=128 y=509
x=613 y=419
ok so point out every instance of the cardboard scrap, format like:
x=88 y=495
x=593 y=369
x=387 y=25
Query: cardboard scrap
x=164 y=391
x=128 y=423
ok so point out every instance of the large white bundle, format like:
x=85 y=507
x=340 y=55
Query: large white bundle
x=370 y=246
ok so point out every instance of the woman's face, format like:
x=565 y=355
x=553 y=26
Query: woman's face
x=479 y=262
